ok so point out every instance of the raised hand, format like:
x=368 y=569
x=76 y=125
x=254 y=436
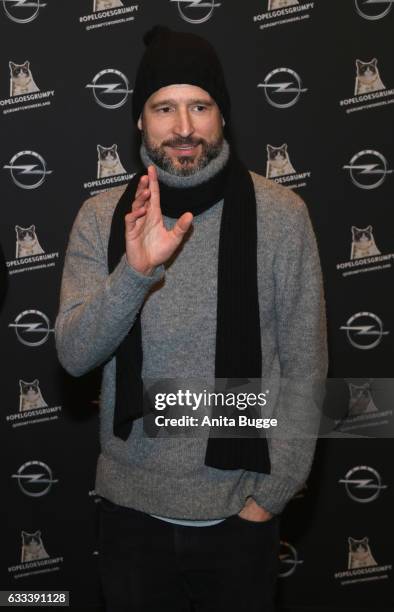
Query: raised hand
x=148 y=242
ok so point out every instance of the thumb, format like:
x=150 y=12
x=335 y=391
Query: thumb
x=182 y=225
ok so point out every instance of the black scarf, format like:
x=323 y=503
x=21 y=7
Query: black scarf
x=238 y=338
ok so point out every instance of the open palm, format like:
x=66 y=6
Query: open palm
x=148 y=242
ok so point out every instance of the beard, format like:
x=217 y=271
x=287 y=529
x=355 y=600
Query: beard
x=188 y=165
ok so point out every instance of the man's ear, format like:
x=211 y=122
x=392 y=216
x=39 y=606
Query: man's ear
x=139 y=122
x=223 y=122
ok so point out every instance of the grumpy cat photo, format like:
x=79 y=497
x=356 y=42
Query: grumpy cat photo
x=104 y=5
x=363 y=243
x=360 y=554
x=361 y=400
x=278 y=162
x=108 y=161
x=30 y=396
x=32 y=547
x=367 y=77
x=27 y=242
x=21 y=81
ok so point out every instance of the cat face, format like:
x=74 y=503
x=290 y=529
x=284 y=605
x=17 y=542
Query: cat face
x=359 y=392
x=358 y=546
x=25 y=234
x=107 y=154
x=362 y=236
x=32 y=540
x=29 y=390
x=367 y=71
x=277 y=156
x=19 y=71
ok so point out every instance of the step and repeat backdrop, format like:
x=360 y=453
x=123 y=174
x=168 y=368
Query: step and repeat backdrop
x=312 y=88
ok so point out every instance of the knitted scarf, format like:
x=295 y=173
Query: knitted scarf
x=238 y=354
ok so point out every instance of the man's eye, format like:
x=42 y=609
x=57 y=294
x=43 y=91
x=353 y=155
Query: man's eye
x=200 y=106
x=164 y=108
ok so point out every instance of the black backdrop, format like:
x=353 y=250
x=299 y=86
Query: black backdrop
x=292 y=77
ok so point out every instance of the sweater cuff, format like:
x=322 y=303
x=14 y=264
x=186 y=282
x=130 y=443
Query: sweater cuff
x=125 y=277
x=275 y=492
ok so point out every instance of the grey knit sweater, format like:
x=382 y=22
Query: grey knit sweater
x=167 y=476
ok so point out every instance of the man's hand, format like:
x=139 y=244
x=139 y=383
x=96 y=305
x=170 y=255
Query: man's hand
x=148 y=242
x=253 y=512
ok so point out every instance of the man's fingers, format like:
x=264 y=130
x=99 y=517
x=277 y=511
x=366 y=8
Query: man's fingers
x=143 y=183
x=154 y=186
x=141 y=199
x=182 y=225
x=131 y=218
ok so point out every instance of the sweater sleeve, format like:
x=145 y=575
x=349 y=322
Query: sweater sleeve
x=302 y=347
x=96 y=309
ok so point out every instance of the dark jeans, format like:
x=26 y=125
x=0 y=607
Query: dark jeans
x=149 y=565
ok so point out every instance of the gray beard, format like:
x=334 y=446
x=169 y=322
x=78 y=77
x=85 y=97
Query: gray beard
x=158 y=155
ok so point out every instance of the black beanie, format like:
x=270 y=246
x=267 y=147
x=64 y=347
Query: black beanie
x=179 y=57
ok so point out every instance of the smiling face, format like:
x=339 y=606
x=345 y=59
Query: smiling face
x=182 y=128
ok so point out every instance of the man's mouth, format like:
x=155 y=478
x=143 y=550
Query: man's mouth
x=185 y=150
x=184 y=147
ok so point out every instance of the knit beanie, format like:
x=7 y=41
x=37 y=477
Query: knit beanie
x=178 y=57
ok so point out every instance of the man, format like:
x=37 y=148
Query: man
x=199 y=269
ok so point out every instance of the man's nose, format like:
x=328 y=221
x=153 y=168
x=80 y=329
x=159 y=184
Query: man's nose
x=183 y=123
